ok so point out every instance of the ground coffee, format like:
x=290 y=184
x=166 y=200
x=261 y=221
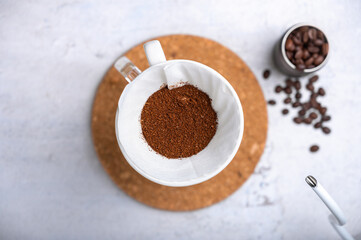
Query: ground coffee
x=178 y=123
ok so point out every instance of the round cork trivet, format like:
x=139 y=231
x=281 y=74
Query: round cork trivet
x=226 y=182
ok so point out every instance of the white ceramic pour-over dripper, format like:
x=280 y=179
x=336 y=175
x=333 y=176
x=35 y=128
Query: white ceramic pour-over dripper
x=174 y=172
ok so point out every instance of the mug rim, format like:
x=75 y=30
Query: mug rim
x=221 y=166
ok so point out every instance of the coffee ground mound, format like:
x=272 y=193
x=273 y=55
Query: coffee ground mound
x=178 y=123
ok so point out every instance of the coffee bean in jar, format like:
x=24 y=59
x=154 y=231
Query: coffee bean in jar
x=303 y=49
x=306 y=47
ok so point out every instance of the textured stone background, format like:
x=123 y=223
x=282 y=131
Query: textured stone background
x=54 y=53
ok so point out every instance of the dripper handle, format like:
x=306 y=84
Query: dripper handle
x=154 y=52
x=127 y=68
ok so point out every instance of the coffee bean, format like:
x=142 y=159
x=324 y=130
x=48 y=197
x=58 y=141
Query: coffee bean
x=305 y=37
x=296 y=104
x=288 y=90
x=309 y=61
x=319 y=60
x=300 y=67
x=321 y=92
x=290 y=46
x=266 y=73
x=272 y=102
x=311 y=66
x=303 y=29
x=326 y=118
x=312 y=33
x=318 y=125
x=310 y=87
x=299 y=54
x=285 y=111
x=314 y=148
x=314 y=103
x=313 y=79
x=307 y=120
x=315 y=55
x=297 y=120
x=298 y=95
x=298 y=85
x=296 y=40
x=320 y=35
x=324 y=49
x=326 y=130
x=318 y=42
x=289 y=54
x=287 y=100
x=306 y=54
x=289 y=82
x=314 y=96
x=299 y=61
x=313 y=49
x=278 y=89
x=323 y=110
x=302 y=112
x=313 y=115
x=306 y=106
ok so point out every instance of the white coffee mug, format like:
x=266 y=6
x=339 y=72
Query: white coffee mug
x=153 y=166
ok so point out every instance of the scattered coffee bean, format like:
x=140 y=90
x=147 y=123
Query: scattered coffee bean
x=285 y=111
x=306 y=47
x=313 y=115
x=310 y=111
x=318 y=125
x=287 y=100
x=314 y=103
x=321 y=92
x=288 y=90
x=278 y=89
x=297 y=120
x=289 y=82
x=306 y=106
x=323 y=110
x=326 y=118
x=313 y=79
x=266 y=74
x=314 y=148
x=302 y=112
x=307 y=120
x=326 y=130
x=272 y=102
x=313 y=96
x=310 y=87
x=296 y=104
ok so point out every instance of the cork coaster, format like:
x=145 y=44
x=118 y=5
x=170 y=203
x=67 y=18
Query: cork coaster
x=219 y=187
